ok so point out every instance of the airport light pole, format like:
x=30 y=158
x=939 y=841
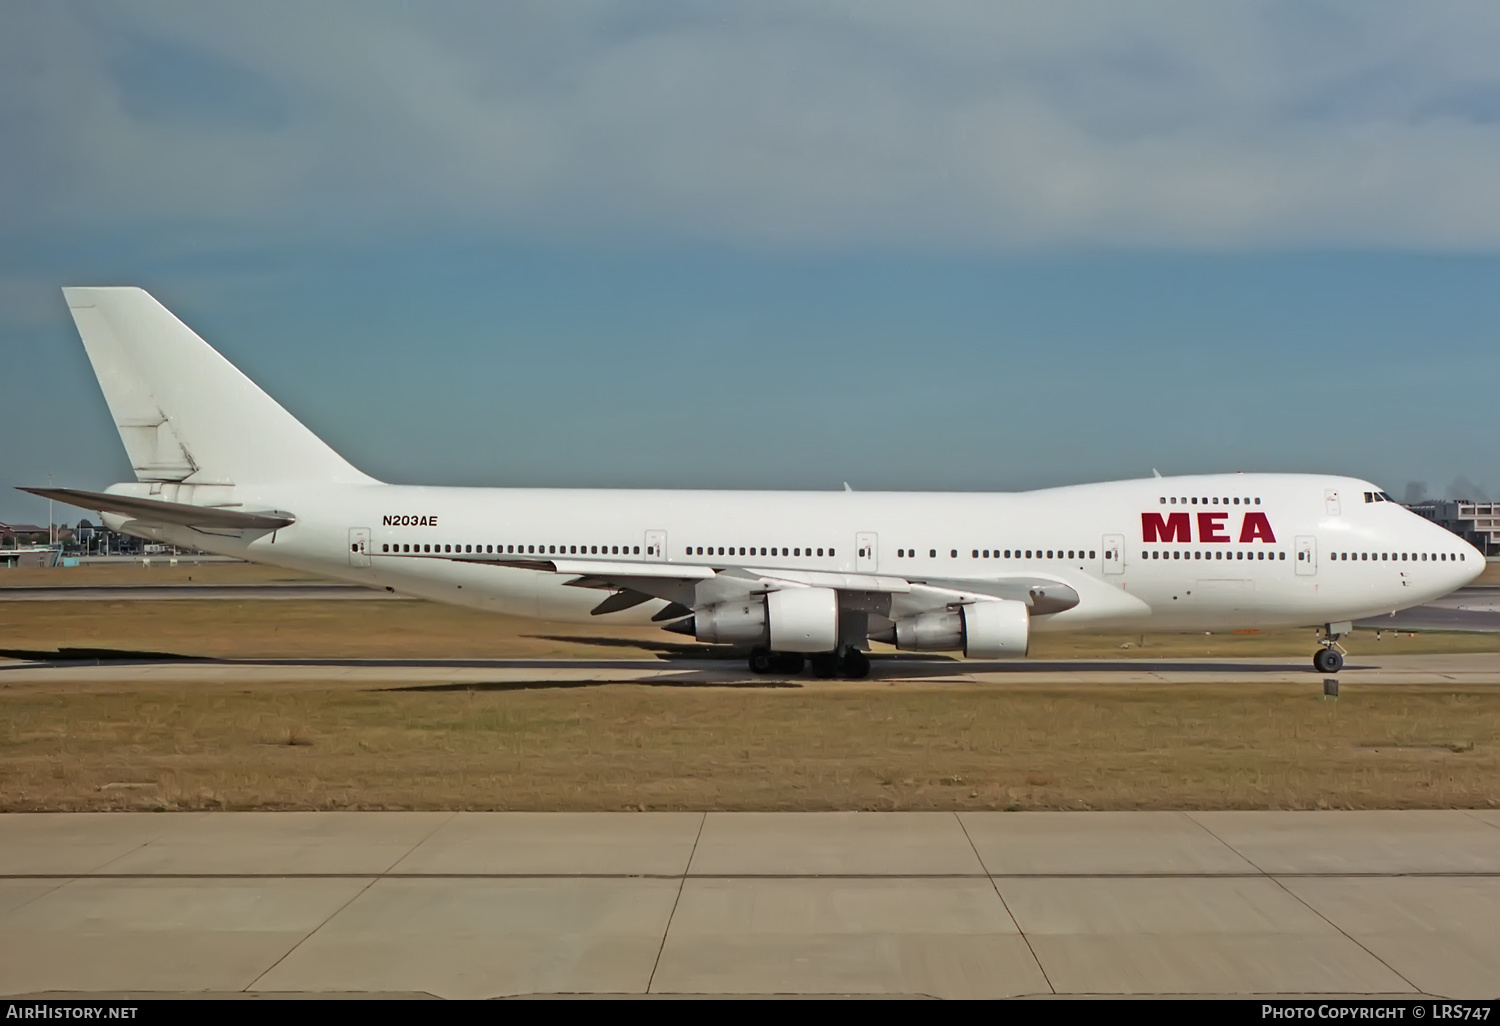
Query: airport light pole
x=51 y=531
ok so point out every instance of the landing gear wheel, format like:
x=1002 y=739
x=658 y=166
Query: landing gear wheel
x=825 y=665
x=856 y=665
x=1328 y=661
x=761 y=661
x=788 y=663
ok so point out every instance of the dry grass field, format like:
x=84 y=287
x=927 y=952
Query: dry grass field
x=315 y=745
x=320 y=744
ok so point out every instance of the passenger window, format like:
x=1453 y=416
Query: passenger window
x=1195 y=500
x=1163 y=500
x=1174 y=500
x=1091 y=554
x=932 y=553
x=820 y=552
x=953 y=553
x=830 y=552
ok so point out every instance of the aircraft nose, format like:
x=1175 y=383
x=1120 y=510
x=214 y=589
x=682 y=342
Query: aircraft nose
x=1473 y=562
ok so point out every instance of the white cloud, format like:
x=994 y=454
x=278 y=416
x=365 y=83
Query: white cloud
x=928 y=126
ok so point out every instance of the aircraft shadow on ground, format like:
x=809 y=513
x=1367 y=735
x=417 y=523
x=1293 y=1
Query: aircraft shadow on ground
x=881 y=666
x=758 y=683
x=1130 y=666
x=99 y=655
x=663 y=649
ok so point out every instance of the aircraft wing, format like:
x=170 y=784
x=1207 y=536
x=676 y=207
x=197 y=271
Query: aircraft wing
x=156 y=511
x=692 y=586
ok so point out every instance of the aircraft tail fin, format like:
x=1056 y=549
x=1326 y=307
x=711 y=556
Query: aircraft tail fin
x=184 y=412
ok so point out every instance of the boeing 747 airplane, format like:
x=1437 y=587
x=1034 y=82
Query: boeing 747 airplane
x=790 y=577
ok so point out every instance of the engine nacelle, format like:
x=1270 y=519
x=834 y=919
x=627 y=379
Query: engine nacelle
x=803 y=619
x=984 y=630
x=732 y=623
x=996 y=630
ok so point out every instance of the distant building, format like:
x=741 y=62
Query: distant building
x=17 y=535
x=1478 y=523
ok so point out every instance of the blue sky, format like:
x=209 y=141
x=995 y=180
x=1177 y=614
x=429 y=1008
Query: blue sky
x=946 y=245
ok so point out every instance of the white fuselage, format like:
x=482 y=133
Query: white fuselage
x=1212 y=552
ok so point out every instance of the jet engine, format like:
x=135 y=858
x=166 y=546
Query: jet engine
x=788 y=620
x=731 y=623
x=983 y=630
x=803 y=619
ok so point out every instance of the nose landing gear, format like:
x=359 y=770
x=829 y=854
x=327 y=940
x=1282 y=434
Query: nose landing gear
x=1330 y=657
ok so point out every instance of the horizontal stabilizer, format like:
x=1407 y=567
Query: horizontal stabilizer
x=159 y=512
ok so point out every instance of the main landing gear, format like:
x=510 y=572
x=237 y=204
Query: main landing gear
x=1330 y=658
x=849 y=663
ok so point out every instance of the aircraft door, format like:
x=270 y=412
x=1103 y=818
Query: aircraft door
x=866 y=547
x=656 y=546
x=359 y=546
x=1307 y=555
x=1114 y=554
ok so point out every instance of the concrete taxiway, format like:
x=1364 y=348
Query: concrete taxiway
x=469 y=905
x=117 y=670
